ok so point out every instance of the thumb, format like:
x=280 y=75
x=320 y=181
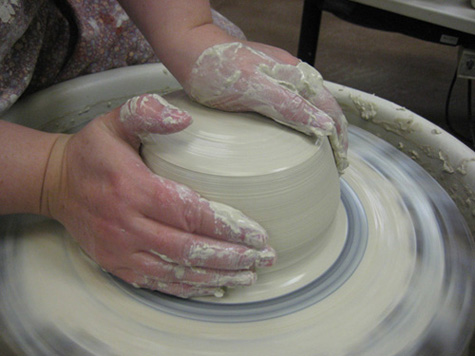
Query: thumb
x=149 y=113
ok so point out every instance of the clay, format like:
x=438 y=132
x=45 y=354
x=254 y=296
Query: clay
x=281 y=178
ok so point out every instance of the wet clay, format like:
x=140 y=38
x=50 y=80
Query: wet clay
x=277 y=176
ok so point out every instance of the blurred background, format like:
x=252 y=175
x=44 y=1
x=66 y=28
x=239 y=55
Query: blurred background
x=413 y=73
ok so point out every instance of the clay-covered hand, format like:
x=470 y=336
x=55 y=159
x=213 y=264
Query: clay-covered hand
x=149 y=231
x=254 y=77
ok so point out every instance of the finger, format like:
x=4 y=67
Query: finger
x=152 y=265
x=179 y=206
x=176 y=246
x=338 y=140
x=149 y=113
x=312 y=89
x=181 y=290
x=306 y=82
x=289 y=108
x=326 y=102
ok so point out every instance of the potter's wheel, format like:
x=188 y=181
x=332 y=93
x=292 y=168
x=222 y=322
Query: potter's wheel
x=400 y=281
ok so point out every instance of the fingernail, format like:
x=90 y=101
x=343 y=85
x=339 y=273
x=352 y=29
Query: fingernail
x=219 y=292
x=266 y=257
x=150 y=113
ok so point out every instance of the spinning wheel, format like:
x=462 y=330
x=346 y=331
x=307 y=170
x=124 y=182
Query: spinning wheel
x=393 y=276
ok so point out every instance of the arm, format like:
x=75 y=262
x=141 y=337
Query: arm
x=136 y=225
x=222 y=72
x=178 y=30
x=23 y=160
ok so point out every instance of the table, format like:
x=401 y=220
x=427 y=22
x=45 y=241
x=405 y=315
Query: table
x=449 y=22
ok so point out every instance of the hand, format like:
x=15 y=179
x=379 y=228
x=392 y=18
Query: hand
x=147 y=230
x=255 y=77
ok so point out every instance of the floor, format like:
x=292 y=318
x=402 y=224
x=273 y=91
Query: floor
x=412 y=73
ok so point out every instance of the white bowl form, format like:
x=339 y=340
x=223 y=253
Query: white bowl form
x=392 y=273
x=285 y=180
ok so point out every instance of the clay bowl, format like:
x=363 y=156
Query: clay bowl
x=285 y=180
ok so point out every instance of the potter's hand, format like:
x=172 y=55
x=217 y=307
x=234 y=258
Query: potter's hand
x=264 y=79
x=149 y=231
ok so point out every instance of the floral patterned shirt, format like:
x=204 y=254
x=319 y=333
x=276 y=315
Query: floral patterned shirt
x=44 y=42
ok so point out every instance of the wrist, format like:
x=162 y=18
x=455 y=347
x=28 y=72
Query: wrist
x=23 y=160
x=181 y=56
x=54 y=176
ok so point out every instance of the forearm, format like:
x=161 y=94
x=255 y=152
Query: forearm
x=178 y=30
x=24 y=156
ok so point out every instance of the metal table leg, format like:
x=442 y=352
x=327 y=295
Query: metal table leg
x=309 y=30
